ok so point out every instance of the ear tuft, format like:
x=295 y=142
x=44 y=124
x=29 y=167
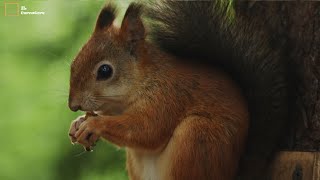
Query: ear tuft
x=132 y=27
x=106 y=17
x=134 y=10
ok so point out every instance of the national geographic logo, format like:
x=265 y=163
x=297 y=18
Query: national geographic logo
x=11 y=9
x=15 y=9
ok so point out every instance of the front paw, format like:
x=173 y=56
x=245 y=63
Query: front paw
x=88 y=133
x=75 y=127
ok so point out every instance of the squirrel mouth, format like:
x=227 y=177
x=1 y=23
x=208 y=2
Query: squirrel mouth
x=107 y=109
x=99 y=110
x=96 y=113
x=92 y=113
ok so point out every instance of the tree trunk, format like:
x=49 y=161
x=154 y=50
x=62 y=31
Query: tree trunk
x=295 y=27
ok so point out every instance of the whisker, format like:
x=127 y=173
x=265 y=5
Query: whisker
x=108 y=96
x=79 y=154
x=93 y=101
x=67 y=63
x=104 y=97
x=98 y=101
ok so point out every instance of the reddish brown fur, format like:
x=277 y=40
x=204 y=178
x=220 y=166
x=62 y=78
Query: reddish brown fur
x=177 y=122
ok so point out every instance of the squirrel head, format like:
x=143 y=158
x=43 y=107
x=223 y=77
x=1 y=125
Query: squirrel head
x=106 y=68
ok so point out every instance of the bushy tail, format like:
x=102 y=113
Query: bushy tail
x=209 y=32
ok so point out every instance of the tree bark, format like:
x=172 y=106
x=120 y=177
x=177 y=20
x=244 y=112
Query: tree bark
x=295 y=28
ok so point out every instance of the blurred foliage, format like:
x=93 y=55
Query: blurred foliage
x=35 y=53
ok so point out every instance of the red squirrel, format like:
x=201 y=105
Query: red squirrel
x=191 y=93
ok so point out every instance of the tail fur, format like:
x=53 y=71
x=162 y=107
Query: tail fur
x=207 y=32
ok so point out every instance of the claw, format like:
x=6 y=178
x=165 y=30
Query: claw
x=88 y=149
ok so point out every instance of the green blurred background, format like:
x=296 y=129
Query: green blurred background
x=35 y=55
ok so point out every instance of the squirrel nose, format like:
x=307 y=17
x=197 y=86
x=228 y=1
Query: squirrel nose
x=74 y=108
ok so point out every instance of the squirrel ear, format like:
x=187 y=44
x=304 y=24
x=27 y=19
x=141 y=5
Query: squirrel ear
x=132 y=28
x=106 y=17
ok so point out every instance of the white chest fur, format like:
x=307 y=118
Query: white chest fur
x=150 y=170
x=149 y=166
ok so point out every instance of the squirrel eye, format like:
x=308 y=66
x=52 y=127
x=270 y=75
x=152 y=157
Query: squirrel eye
x=104 y=72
